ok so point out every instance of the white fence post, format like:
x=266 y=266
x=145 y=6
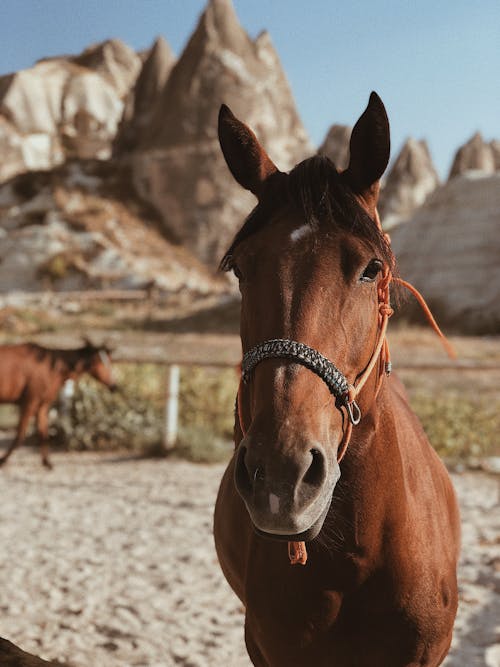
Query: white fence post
x=171 y=406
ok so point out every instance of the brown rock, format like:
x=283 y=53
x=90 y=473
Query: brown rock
x=450 y=251
x=219 y=64
x=409 y=182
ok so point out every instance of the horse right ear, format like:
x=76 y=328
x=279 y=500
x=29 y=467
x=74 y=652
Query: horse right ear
x=247 y=160
x=370 y=148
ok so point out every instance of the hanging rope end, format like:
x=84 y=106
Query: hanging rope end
x=297 y=553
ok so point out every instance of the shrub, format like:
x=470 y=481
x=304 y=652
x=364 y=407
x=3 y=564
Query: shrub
x=99 y=419
x=458 y=426
x=133 y=418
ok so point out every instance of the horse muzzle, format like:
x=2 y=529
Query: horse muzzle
x=287 y=495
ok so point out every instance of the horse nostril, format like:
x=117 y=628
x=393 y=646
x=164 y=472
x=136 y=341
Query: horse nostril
x=315 y=474
x=241 y=474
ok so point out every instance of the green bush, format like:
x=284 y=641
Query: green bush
x=133 y=418
x=458 y=426
x=99 y=419
x=207 y=398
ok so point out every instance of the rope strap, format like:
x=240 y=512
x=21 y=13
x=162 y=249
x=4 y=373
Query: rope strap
x=302 y=354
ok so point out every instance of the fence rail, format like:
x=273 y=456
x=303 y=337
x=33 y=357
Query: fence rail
x=173 y=351
x=224 y=350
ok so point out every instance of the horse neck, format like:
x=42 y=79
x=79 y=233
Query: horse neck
x=66 y=361
x=371 y=477
x=373 y=454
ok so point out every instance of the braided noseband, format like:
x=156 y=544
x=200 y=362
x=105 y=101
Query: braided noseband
x=311 y=359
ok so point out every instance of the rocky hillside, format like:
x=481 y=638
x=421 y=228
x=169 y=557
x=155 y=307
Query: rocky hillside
x=80 y=226
x=158 y=117
x=450 y=251
x=113 y=176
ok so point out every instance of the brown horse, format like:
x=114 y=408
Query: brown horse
x=381 y=528
x=31 y=377
x=12 y=656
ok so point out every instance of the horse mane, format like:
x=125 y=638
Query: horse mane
x=70 y=357
x=319 y=193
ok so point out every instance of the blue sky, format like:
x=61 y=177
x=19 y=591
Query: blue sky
x=435 y=63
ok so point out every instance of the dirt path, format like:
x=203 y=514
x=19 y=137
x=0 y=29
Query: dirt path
x=109 y=562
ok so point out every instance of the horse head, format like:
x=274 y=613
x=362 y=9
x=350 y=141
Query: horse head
x=96 y=361
x=310 y=259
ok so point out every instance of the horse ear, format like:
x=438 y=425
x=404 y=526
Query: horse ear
x=370 y=148
x=87 y=342
x=247 y=160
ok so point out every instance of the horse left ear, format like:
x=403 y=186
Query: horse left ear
x=248 y=162
x=370 y=148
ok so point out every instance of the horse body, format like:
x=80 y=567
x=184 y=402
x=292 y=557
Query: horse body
x=32 y=376
x=372 y=592
x=381 y=527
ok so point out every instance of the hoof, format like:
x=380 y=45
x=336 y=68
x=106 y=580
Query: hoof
x=3 y=461
x=47 y=464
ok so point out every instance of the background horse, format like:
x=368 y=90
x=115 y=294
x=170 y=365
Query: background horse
x=31 y=377
x=381 y=527
x=12 y=656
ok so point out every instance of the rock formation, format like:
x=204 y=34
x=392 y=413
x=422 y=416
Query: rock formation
x=450 y=251
x=475 y=155
x=179 y=166
x=79 y=226
x=336 y=145
x=143 y=98
x=409 y=182
x=64 y=107
x=114 y=61
x=495 y=147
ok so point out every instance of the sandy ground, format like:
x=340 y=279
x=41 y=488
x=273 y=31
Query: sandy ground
x=109 y=562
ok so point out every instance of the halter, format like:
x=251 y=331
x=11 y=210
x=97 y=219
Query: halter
x=345 y=393
x=334 y=379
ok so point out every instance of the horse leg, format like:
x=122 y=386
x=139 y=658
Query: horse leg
x=253 y=650
x=27 y=410
x=42 y=420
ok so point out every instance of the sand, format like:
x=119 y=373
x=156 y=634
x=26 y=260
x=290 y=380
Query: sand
x=109 y=561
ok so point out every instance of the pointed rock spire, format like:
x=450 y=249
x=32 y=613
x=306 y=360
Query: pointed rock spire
x=181 y=166
x=475 y=155
x=142 y=100
x=336 y=145
x=409 y=182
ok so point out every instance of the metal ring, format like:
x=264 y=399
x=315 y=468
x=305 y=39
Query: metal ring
x=351 y=412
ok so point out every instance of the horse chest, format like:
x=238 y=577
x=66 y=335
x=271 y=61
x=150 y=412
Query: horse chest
x=293 y=618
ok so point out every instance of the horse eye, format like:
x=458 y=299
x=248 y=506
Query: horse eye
x=371 y=271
